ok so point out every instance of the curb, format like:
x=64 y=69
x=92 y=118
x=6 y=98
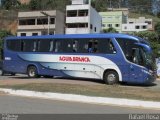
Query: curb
x=85 y=99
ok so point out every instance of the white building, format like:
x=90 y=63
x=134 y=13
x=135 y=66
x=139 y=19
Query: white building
x=137 y=25
x=142 y=20
x=40 y=23
x=81 y=18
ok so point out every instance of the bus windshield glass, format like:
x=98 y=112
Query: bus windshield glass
x=143 y=57
x=149 y=59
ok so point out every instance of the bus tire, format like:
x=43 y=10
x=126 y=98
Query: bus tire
x=2 y=73
x=32 y=72
x=111 y=77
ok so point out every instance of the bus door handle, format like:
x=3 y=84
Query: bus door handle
x=131 y=67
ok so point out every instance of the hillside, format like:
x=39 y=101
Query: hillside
x=24 y=1
x=8 y=20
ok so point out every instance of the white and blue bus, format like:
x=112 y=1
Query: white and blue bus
x=110 y=57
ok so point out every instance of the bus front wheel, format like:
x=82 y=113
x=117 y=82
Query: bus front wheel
x=111 y=77
x=32 y=72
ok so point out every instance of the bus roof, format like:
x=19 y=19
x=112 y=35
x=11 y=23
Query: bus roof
x=65 y=36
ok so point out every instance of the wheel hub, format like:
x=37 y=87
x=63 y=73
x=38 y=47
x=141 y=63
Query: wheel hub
x=111 y=77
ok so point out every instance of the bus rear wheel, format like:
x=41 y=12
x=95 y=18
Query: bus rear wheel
x=111 y=77
x=32 y=72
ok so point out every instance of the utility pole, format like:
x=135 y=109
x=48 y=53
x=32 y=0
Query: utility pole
x=90 y=2
x=110 y=4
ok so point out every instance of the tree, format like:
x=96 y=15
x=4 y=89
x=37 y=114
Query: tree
x=3 y=34
x=34 y=4
x=153 y=39
x=9 y=4
x=110 y=30
x=157 y=28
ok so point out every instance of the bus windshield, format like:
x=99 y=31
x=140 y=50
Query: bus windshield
x=149 y=59
x=143 y=57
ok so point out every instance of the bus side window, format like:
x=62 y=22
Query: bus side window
x=57 y=46
x=51 y=46
x=38 y=45
x=93 y=46
x=75 y=46
x=111 y=47
x=90 y=46
x=106 y=46
x=43 y=45
x=34 y=46
x=22 y=45
x=2 y=54
x=67 y=46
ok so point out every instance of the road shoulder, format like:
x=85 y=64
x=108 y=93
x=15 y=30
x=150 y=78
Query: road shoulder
x=85 y=99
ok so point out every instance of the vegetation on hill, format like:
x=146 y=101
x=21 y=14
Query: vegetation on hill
x=3 y=34
x=100 y=5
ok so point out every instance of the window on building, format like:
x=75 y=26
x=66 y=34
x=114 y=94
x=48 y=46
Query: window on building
x=95 y=29
x=34 y=34
x=109 y=25
x=52 y=32
x=44 y=32
x=125 y=27
x=27 y=22
x=71 y=13
x=117 y=25
x=82 y=25
x=144 y=27
x=52 y=21
x=42 y=21
x=130 y=22
x=83 y=13
x=103 y=25
x=23 y=34
x=149 y=22
x=77 y=25
x=91 y=26
x=137 y=27
x=87 y=2
x=72 y=25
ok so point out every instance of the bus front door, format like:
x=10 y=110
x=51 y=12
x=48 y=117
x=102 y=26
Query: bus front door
x=136 y=74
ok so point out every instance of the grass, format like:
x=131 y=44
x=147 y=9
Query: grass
x=115 y=91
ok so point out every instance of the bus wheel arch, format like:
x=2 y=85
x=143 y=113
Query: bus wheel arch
x=111 y=76
x=32 y=71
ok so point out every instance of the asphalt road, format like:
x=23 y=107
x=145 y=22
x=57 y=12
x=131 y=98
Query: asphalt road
x=24 y=105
